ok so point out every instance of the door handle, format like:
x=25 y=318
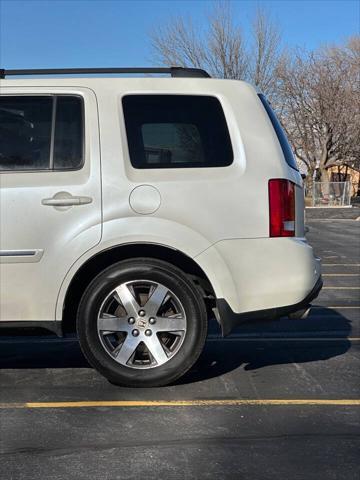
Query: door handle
x=65 y=199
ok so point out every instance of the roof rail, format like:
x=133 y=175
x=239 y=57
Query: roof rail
x=173 y=71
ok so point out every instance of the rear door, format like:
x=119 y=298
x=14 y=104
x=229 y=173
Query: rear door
x=50 y=194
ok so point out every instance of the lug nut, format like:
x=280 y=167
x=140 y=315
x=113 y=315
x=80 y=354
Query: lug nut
x=135 y=332
x=142 y=313
x=152 y=320
x=131 y=320
x=148 y=332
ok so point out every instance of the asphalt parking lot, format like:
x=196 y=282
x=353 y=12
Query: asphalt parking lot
x=273 y=400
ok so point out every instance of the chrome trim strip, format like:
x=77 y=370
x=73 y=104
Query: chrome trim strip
x=21 y=256
x=16 y=253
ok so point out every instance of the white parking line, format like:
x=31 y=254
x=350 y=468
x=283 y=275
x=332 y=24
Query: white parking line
x=330 y=220
x=239 y=338
x=341 y=274
x=340 y=288
x=335 y=306
x=340 y=264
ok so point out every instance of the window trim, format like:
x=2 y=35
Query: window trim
x=280 y=133
x=52 y=134
x=180 y=166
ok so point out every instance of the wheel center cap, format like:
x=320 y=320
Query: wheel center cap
x=141 y=323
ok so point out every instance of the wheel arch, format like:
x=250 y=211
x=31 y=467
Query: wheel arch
x=101 y=260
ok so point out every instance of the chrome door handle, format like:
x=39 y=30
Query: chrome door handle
x=64 y=199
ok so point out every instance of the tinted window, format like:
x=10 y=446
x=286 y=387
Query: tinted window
x=29 y=140
x=25 y=132
x=288 y=154
x=68 y=133
x=176 y=131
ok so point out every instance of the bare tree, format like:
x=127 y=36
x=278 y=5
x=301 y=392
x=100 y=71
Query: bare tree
x=177 y=44
x=220 y=48
x=316 y=94
x=266 y=54
x=320 y=106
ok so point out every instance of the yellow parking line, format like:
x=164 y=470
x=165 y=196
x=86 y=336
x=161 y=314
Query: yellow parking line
x=180 y=403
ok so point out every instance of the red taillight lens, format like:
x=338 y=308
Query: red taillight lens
x=282 y=208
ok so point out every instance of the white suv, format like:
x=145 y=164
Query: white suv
x=135 y=209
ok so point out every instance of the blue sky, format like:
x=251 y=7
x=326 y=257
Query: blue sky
x=70 y=33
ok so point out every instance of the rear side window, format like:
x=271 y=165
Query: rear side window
x=68 y=138
x=285 y=146
x=176 y=131
x=41 y=133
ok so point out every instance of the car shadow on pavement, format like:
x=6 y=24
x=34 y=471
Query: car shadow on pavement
x=250 y=347
x=319 y=337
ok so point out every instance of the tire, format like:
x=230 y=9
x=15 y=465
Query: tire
x=142 y=323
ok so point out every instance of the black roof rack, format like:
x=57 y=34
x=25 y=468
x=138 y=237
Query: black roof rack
x=173 y=71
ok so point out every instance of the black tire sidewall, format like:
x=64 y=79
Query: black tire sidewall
x=152 y=270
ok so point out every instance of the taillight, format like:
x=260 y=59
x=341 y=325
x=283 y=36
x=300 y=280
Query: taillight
x=282 y=208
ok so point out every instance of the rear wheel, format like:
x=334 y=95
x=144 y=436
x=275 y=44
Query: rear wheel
x=142 y=322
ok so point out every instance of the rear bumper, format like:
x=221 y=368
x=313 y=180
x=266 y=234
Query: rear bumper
x=229 y=319
x=260 y=273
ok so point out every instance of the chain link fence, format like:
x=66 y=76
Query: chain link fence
x=331 y=194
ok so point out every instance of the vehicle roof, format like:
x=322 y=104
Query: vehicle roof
x=125 y=83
